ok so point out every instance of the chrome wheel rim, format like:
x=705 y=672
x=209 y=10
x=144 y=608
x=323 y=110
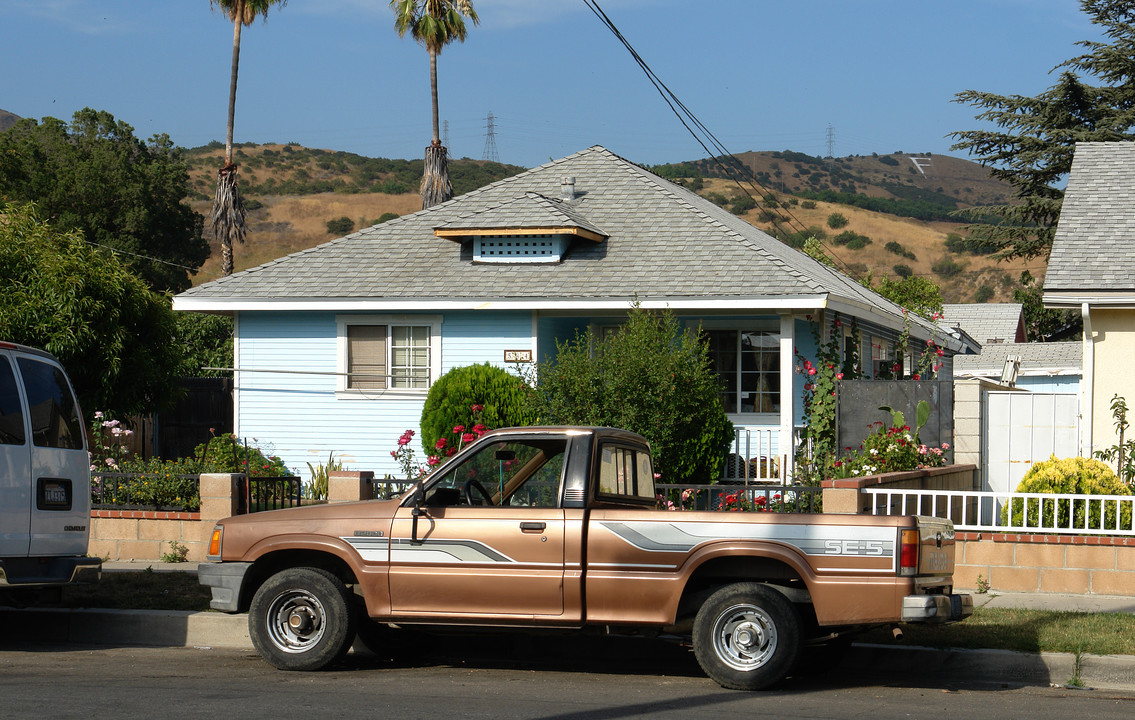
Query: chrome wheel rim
x=296 y=621
x=744 y=637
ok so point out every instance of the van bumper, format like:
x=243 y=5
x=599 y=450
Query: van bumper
x=37 y=572
x=937 y=608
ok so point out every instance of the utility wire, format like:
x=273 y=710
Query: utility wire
x=674 y=103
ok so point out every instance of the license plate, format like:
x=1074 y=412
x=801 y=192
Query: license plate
x=53 y=494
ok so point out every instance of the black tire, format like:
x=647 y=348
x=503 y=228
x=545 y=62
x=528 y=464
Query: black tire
x=301 y=619
x=746 y=636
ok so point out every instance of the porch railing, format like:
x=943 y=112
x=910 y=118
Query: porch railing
x=1013 y=512
x=755 y=456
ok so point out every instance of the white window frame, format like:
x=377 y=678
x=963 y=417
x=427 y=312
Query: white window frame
x=389 y=321
x=771 y=326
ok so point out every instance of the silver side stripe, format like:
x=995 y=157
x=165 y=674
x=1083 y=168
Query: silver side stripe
x=845 y=540
x=426 y=551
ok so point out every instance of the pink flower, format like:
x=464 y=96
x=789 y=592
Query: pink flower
x=945 y=446
x=468 y=437
x=441 y=443
x=839 y=376
x=458 y=429
x=393 y=453
x=916 y=376
x=406 y=438
x=451 y=452
x=433 y=460
x=476 y=408
x=811 y=371
x=480 y=429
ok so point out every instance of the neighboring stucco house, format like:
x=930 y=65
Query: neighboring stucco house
x=335 y=346
x=1092 y=270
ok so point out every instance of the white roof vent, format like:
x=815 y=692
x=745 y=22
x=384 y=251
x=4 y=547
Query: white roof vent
x=519 y=248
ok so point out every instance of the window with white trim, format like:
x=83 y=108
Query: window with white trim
x=748 y=362
x=389 y=352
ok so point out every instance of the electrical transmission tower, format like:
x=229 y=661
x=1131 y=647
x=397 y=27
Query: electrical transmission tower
x=490 y=140
x=831 y=145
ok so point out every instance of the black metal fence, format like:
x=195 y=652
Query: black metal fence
x=753 y=498
x=146 y=491
x=269 y=493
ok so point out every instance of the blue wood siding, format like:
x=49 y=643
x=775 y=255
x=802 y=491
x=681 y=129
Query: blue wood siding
x=297 y=414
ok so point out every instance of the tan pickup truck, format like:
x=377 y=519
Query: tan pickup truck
x=556 y=527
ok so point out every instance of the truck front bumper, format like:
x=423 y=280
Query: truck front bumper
x=937 y=608
x=225 y=581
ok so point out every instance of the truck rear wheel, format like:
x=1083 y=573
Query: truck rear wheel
x=300 y=619
x=746 y=636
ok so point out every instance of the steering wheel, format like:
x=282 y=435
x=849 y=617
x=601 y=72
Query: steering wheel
x=467 y=492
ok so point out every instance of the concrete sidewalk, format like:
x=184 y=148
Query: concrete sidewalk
x=896 y=663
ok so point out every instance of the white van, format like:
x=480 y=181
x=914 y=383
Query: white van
x=45 y=478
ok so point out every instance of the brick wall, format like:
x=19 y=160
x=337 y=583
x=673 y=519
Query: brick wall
x=1046 y=563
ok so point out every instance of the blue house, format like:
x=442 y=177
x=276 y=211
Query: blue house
x=336 y=346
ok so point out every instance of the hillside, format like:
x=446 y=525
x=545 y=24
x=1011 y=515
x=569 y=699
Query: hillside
x=7 y=120
x=894 y=213
x=292 y=192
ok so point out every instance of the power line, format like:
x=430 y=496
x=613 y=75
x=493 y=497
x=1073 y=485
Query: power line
x=735 y=170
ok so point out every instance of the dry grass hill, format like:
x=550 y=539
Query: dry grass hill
x=896 y=207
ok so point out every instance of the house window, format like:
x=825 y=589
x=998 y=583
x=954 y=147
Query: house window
x=882 y=357
x=748 y=362
x=389 y=353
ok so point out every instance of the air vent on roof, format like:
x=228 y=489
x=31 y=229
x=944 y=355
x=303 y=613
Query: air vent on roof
x=517 y=249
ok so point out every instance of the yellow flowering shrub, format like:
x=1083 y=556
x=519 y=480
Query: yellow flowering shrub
x=1069 y=476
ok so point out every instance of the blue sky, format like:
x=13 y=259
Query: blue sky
x=760 y=74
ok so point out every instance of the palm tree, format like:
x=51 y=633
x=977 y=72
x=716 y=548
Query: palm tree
x=435 y=24
x=228 y=211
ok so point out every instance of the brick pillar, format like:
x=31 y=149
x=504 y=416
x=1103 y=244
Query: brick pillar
x=349 y=485
x=218 y=496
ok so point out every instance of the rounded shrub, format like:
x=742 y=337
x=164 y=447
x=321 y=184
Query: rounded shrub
x=500 y=395
x=1069 y=476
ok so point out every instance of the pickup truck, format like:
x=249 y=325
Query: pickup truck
x=557 y=527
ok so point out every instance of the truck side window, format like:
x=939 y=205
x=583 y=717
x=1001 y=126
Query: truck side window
x=54 y=412
x=11 y=413
x=624 y=471
x=509 y=473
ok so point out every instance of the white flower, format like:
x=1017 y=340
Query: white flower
x=874 y=451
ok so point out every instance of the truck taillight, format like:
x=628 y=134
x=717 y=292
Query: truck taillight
x=908 y=553
x=215 y=543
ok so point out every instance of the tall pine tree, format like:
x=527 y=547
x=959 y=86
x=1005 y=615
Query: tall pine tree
x=1035 y=138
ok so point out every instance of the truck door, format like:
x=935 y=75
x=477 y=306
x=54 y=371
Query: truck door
x=60 y=467
x=490 y=540
x=15 y=466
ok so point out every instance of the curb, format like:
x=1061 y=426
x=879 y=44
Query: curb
x=167 y=628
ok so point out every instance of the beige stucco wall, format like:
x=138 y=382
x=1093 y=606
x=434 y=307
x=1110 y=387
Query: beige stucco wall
x=1113 y=333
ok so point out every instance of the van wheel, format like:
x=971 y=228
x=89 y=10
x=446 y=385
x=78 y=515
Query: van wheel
x=300 y=619
x=746 y=636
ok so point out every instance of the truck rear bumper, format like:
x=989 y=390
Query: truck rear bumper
x=936 y=608
x=225 y=581
x=36 y=572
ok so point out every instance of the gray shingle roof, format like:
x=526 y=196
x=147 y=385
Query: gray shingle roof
x=531 y=210
x=1094 y=249
x=985 y=322
x=1055 y=358
x=663 y=242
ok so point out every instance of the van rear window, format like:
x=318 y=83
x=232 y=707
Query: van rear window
x=54 y=412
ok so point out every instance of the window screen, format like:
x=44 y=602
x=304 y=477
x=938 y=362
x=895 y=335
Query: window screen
x=366 y=356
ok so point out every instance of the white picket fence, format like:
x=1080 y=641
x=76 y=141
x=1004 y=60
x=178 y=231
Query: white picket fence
x=1013 y=512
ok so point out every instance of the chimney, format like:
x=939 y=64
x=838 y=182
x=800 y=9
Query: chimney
x=567 y=189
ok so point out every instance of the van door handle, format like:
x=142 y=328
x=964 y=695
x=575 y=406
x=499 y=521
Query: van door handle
x=533 y=526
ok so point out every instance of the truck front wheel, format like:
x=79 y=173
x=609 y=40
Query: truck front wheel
x=300 y=619
x=746 y=636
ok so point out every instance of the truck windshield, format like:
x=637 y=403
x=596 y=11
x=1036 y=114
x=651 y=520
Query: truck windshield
x=508 y=473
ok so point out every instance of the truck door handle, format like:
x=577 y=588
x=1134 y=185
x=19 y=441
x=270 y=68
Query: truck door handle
x=533 y=526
